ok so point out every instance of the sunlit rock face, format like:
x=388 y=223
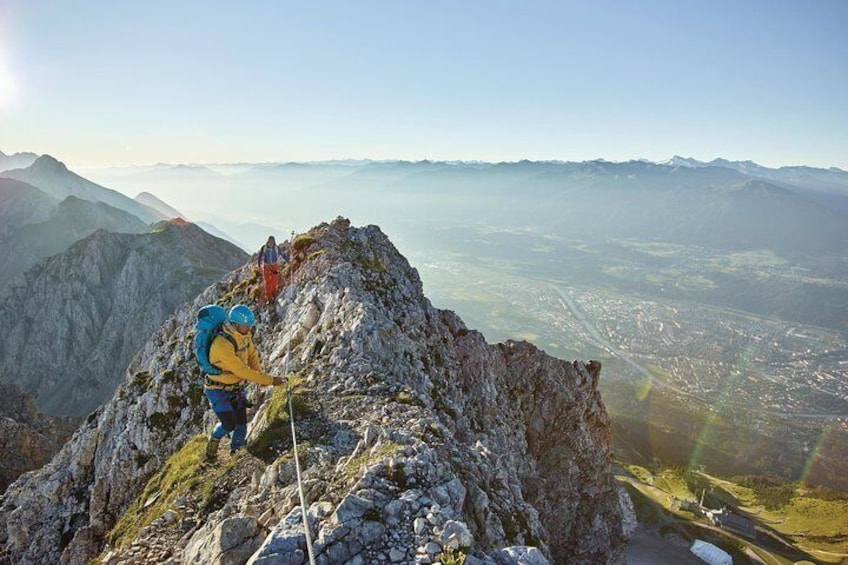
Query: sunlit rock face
x=417 y=439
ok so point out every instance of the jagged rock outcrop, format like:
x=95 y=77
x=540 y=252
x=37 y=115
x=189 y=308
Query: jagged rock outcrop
x=73 y=323
x=417 y=439
x=28 y=438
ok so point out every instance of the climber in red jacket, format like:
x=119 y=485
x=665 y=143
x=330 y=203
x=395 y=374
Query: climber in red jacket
x=268 y=261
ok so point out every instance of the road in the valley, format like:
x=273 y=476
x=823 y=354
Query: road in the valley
x=571 y=306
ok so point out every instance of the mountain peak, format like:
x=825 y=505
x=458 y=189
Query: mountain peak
x=679 y=161
x=181 y=222
x=173 y=223
x=46 y=163
x=156 y=205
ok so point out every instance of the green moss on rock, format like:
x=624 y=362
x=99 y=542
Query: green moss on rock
x=164 y=421
x=277 y=420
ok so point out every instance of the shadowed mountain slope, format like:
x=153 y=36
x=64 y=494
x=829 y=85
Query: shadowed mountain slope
x=73 y=322
x=23 y=246
x=21 y=203
x=28 y=439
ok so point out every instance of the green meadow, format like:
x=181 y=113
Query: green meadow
x=786 y=515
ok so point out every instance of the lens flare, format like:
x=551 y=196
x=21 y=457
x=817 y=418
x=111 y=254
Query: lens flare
x=644 y=389
x=716 y=424
x=830 y=450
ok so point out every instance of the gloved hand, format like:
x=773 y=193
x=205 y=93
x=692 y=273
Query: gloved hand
x=279 y=381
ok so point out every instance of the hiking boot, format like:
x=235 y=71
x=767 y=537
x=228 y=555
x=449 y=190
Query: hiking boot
x=212 y=448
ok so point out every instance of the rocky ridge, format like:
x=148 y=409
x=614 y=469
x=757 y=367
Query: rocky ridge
x=419 y=441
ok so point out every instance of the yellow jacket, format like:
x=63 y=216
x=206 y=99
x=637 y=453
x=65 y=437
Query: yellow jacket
x=237 y=364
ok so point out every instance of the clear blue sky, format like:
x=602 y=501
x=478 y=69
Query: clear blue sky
x=103 y=82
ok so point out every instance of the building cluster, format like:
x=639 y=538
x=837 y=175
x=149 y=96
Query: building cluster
x=727 y=358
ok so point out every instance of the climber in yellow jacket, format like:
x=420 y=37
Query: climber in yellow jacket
x=233 y=352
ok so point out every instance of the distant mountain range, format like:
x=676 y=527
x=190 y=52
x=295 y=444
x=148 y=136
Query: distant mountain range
x=832 y=177
x=719 y=204
x=16 y=161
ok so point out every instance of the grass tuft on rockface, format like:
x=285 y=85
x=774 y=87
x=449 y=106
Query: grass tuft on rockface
x=185 y=473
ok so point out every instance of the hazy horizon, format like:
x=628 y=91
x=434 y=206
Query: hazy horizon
x=353 y=161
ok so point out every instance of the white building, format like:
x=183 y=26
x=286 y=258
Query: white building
x=711 y=554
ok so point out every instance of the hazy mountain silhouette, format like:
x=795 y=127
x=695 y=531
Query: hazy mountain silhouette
x=828 y=187
x=212 y=229
x=16 y=161
x=717 y=205
x=22 y=203
x=157 y=206
x=711 y=206
x=23 y=246
x=54 y=178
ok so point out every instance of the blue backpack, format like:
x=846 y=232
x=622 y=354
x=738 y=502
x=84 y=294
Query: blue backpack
x=210 y=320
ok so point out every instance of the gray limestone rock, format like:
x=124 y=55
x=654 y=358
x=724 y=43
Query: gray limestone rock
x=73 y=322
x=285 y=544
x=521 y=556
x=456 y=535
x=230 y=542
